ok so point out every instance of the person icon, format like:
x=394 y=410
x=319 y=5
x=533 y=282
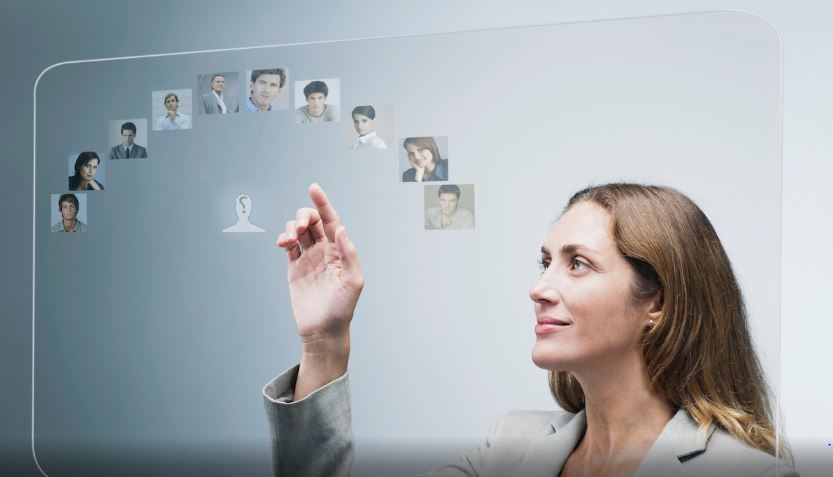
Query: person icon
x=243 y=207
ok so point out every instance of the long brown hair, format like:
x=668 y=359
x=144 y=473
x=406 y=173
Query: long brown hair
x=699 y=354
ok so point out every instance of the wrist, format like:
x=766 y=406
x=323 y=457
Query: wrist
x=326 y=350
x=321 y=366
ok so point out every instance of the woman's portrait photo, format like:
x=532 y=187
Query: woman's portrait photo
x=371 y=126
x=87 y=171
x=424 y=159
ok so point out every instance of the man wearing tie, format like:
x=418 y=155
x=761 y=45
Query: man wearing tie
x=128 y=149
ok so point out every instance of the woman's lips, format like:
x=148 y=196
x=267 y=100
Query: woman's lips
x=547 y=324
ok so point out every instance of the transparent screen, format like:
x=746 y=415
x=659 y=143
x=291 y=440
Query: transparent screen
x=159 y=320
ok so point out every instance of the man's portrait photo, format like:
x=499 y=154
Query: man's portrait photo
x=172 y=109
x=449 y=207
x=266 y=90
x=125 y=135
x=218 y=93
x=316 y=101
x=69 y=213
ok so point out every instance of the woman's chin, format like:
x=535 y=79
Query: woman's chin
x=549 y=359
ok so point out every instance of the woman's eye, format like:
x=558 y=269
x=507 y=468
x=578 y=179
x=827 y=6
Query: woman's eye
x=542 y=265
x=579 y=265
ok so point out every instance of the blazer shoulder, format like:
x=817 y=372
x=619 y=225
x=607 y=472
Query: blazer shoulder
x=728 y=455
x=527 y=425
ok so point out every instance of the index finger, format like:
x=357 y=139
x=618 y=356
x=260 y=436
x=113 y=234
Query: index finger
x=328 y=214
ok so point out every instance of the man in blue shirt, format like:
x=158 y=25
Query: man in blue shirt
x=172 y=119
x=266 y=85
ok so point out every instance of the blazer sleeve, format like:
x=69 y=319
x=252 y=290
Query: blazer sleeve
x=313 y=437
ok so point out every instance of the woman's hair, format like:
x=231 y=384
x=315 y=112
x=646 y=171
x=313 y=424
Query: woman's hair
x=699 y=353
x=368 y=111
x=425 y=143
x=83 y=159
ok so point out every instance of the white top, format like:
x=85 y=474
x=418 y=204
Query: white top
x=369 y=141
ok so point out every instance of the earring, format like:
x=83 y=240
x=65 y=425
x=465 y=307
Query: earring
x=650 y=324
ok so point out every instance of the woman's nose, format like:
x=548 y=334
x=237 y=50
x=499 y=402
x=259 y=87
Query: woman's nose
x=543 y=291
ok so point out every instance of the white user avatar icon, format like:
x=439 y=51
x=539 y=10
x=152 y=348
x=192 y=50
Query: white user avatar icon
x=243 y=207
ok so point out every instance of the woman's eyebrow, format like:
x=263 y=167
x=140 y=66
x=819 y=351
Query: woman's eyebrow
x=571 y=248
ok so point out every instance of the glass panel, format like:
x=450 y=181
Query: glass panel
x=156 y=328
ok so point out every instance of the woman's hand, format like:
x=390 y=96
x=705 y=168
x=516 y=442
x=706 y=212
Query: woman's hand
x=325 y=281
x=94 y=185
x=418 y=169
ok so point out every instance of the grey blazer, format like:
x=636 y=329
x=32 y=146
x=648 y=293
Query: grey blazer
x=118 y=152
x=211 y=106
x=313 y=437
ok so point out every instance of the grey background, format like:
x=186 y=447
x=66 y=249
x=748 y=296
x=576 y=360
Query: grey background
x=76 y=32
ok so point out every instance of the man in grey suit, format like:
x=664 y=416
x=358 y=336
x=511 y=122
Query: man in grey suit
x=216 y=101
x=128 y=149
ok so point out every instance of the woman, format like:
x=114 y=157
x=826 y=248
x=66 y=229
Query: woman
x=86 y=166
x=426 y=162
x=364 y=120
x=640 y=322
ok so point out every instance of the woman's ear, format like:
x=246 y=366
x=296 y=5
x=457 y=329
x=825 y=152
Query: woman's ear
x=654 y=307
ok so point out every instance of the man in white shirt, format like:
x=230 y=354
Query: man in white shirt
x=448 y=215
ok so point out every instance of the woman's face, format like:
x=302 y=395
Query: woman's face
x=88 y=169
x=363 y=124
x=419 y=156
x=585 y=316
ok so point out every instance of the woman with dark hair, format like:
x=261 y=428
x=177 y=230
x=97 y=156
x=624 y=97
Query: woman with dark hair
x=639 y=321
x=426 y=162
x=364 y=120
x=85 y=168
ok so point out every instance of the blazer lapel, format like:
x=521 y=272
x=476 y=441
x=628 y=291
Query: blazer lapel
x=681 y=437
x=546 y=455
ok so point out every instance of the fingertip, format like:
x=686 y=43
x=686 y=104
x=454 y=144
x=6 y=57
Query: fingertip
x=315 y=190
